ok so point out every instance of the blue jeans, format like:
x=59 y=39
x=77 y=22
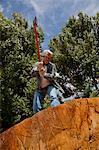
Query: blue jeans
x=40 y=95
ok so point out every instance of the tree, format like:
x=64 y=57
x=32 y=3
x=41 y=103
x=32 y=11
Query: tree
x=77 y=49
x=17 y=58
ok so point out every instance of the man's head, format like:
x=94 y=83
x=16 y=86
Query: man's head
x=47 y=56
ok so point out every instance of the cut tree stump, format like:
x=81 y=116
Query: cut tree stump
x=73 y=125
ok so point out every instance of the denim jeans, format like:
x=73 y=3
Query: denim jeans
x=40 y=94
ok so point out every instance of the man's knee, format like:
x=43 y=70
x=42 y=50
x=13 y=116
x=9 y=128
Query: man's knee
x=55 y=102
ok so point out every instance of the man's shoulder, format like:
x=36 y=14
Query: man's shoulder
x=50 y=63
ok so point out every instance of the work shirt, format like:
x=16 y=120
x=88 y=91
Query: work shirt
x=49 y=77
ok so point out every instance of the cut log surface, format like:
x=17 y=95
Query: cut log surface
x=73 y=125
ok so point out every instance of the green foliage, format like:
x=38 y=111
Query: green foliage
x=46 y=102
x=17 y=58
x=95 y=93
x=87 y=91
x=76 y=49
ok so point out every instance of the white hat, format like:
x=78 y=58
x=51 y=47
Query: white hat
x=46 y=51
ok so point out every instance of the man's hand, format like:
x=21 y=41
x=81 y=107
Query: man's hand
x=41 y=68
x=42 y=71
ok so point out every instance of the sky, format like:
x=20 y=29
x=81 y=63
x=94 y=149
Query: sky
x=52 y=15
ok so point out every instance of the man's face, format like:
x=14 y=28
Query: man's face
x=47 y=58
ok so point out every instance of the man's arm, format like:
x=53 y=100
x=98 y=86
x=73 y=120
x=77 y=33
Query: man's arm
x=50 y=76
x=34 y=71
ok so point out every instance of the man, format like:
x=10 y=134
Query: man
x=45 y=72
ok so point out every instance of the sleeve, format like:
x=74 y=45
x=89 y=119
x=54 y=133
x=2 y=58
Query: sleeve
x=50 y=76
x=34 y=72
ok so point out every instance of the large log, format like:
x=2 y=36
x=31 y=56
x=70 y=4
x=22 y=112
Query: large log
x=73 y=125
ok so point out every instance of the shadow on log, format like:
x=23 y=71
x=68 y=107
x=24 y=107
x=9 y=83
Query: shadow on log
x=73 y=125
